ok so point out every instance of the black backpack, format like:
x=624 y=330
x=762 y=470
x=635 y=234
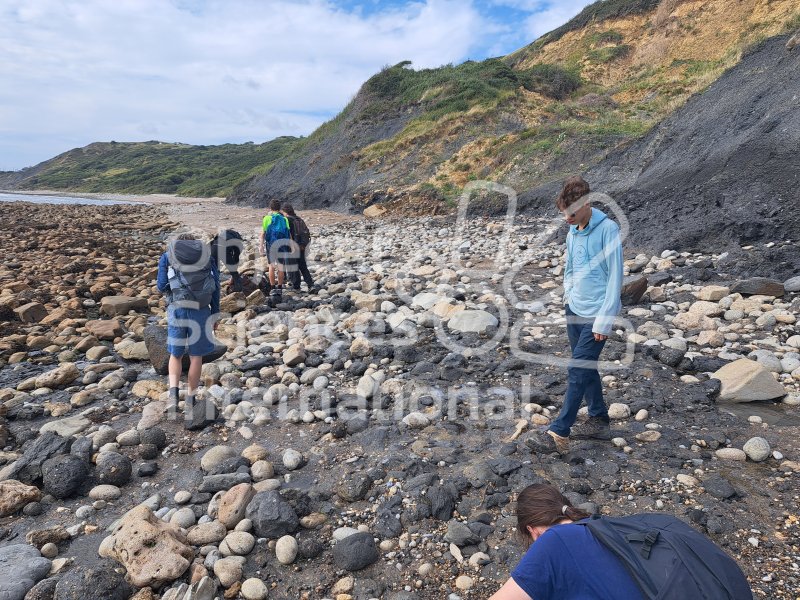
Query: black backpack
x=302 y=234
x=231 y=242
x=669 y=560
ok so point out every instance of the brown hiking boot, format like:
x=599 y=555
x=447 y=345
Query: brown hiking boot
x=548 y=442
x=596 y=428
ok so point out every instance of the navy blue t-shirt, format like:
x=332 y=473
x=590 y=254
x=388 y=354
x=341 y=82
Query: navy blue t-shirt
x=568 y=563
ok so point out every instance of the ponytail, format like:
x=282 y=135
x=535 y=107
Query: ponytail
x=575 y=514
x=542 y=504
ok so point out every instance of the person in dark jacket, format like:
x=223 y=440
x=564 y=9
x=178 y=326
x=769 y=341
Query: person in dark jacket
x=300 y=235
x=190 y=279
x=227 y=247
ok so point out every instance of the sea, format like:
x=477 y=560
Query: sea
x=48 y=199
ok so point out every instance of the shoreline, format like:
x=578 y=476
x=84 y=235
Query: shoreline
x=462 y=449
x=143 y=198
x=208 y=214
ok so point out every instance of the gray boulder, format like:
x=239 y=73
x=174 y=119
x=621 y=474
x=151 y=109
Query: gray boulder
x=460 y=534
x=757 y=449
x=63 y=476
x=21 y=567
x=113 y=468
x=792 y=285
x=355 y=552
x=43 y=590
x=101 y=581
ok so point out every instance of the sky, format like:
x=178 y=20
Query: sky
x=73 y=72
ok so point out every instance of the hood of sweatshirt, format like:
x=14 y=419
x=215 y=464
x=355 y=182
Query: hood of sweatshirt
x=598 y=216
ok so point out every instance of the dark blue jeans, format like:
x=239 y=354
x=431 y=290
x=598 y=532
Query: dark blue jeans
x=583 y=380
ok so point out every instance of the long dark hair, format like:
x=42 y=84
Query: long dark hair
x=288 y=209
x=541 y=504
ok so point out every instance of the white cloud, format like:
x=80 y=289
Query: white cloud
x=208 y=71
x=546 y=15
x=552 y=15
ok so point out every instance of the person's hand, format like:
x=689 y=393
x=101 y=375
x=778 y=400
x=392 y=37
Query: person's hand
x=599 y=337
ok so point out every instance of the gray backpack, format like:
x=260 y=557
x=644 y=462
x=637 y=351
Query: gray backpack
x=191 y=280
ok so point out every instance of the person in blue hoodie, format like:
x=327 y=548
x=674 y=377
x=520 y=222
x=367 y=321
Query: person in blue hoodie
x=592 y=286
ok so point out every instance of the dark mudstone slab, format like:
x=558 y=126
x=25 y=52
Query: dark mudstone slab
x=633 y=288
x=28 y=469
x=215 y=483
x=155 y=339
x=272 y=517
x=719 y=487
x=442 y=500
x=355 y=552
x=387 y=524
x=761 y=286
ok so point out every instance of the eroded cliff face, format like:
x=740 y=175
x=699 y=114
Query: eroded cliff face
x=636 y=69
x=720 y=173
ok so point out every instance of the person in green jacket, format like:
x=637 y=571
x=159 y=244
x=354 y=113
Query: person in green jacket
x=275 y=244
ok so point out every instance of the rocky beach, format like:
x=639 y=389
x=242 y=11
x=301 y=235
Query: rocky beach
x=366 y=439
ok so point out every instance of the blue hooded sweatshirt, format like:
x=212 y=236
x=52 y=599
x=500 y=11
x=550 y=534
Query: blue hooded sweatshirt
x=593 y=274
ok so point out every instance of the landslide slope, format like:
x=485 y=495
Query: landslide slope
x=722 y=172
x=557 y=106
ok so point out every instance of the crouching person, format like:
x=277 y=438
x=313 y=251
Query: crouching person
x=574 y=556
x=189 y=277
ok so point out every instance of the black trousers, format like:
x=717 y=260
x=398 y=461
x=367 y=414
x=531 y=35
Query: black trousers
x=302 y=269
x=236 y=280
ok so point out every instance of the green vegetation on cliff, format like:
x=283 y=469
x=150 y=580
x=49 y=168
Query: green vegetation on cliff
x=458 y=88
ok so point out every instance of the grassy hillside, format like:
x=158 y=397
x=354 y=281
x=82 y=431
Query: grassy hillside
x=638 y=60
x=556 y=106
x=152 y=167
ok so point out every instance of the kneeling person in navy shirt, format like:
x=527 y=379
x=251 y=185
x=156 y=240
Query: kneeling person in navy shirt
x=564 y=561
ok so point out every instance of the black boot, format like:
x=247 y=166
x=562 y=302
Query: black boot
x=172 y=403
x=199 y=413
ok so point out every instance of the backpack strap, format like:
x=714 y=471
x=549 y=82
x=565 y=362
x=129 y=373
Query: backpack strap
x=603 y=530
x=647 y=540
